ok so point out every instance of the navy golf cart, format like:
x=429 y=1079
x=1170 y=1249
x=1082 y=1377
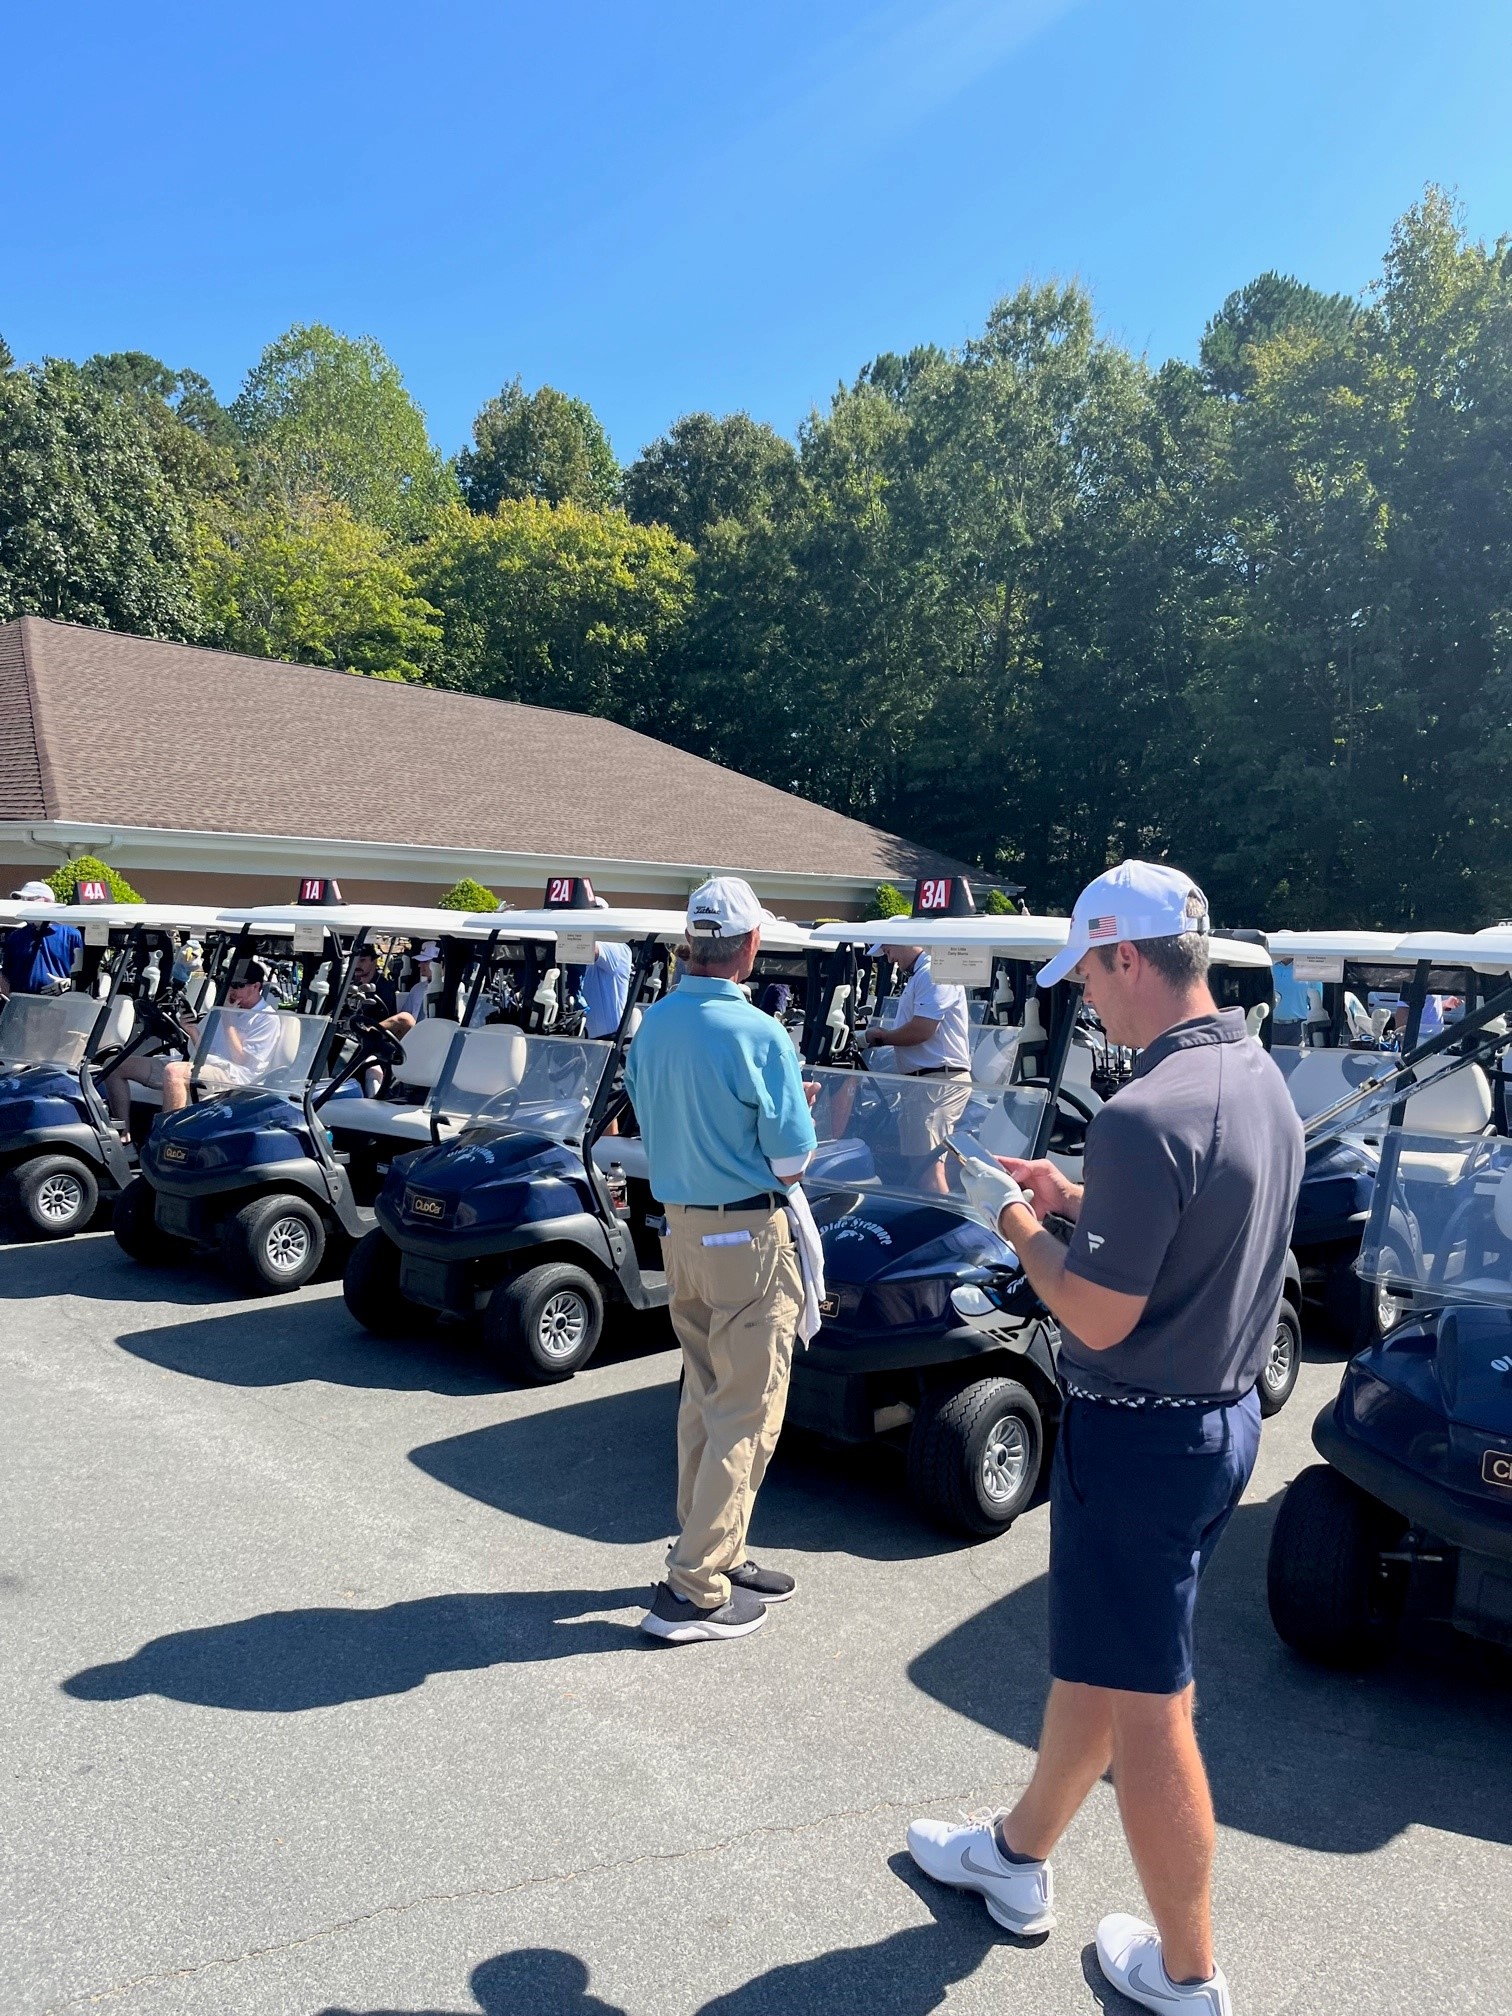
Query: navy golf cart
x=931 y=1335
x=61 y=1155
x=526 y=1214
x=1409 y=1516
x=1359 y=986
x=259 y=1167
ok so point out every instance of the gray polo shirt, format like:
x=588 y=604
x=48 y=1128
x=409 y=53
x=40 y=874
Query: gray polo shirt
x=1191 y=1182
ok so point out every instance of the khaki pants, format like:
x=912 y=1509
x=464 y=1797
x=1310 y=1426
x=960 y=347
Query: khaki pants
x=735 y=1308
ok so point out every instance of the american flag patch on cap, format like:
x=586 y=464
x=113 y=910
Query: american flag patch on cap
x=1102 y=927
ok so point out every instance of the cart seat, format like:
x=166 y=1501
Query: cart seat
x=383 y=1119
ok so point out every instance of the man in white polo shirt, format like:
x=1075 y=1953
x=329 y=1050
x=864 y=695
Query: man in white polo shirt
x=929 y=1038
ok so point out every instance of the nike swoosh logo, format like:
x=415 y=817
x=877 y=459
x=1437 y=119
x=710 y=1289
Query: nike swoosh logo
x=1138 y=1979
x=976 y=1867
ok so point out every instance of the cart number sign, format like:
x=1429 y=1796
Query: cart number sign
x=91 y=892
x=559 y=889
x=961 y=965
x=1496 y=1468
x=1316 y=966
x=319 y=889
x=933 y=895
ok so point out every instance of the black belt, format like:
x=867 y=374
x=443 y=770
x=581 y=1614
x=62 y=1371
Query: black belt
x=764 y=1200
x=938 y=1071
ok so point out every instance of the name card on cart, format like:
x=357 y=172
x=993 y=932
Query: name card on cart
x=308 y=938
x=575 y=948
x=1316 y=966
x=961 y=965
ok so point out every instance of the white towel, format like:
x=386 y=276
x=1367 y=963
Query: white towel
x=810 y=1259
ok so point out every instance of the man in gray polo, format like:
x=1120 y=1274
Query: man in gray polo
x=1166 y=1299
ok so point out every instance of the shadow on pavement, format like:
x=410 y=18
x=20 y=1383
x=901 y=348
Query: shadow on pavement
x=906 y=1974
x=1334 y=1761
x=286 y=1339
x=541 y=1980
x=604 y=1468
x=289 y=1660
x=92 y=1265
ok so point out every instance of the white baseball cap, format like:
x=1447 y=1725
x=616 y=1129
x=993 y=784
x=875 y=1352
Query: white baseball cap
x=429 y=950
x=1137 y=899
x=725 y=907
x=33 y=892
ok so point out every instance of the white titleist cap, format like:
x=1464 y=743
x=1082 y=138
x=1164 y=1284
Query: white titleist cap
x=725 y=907
x=1137 y=899
x=33 y=892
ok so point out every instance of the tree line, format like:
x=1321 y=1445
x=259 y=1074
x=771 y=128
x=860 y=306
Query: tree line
x=1034 y=601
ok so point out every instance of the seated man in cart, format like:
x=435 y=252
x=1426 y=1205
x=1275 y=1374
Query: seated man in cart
x=240 y=1053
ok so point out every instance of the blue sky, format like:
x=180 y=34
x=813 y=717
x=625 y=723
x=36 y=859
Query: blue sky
x=672 y=206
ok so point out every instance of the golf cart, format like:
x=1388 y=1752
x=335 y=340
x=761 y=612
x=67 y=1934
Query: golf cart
x=931 y=1335
x=60 y=1152
x=1360 y=982
x=525 y=1213
x=1410 y=1513
x=262 y=1169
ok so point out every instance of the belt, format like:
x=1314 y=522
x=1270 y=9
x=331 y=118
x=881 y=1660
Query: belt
x=1074 y=1392
x=764 y=1200
x=938 y=1071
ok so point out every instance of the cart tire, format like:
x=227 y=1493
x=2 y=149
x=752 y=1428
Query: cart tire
x=133 y=1220
x=274 y=1244
x=544 y=1325
x=370 y=1288
x=974 y=1455
x=1278 y=1375
x=1380 y=1310
x=55 y=1195
x=1331 y=1598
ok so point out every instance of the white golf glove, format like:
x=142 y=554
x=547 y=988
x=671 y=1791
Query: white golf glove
x=989 y=1189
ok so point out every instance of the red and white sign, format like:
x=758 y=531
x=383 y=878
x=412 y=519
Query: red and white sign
x=92 y=891
x=934 y=894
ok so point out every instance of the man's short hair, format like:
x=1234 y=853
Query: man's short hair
x=718 y=952
x=1180 y=962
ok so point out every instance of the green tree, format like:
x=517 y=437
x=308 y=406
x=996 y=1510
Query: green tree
x=889 y=901
x=327 y=418
x=541 y=445
x=468 y=895
x=64 y=881
x=559 y=605
x=703 y=470
x=1267 y=307
x=318 y=587
x=93 y=527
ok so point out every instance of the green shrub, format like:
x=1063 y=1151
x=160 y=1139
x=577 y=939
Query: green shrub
x=999 y=905
x=890 y=901
x=468 y=895
x=90 y=868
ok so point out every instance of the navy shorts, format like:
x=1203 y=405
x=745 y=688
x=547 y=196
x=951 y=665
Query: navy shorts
x=1139 y=1498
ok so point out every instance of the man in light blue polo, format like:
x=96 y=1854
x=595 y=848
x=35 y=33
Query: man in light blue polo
x=719 y=1095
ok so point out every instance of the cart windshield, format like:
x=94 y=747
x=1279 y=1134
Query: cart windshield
x=270 y=1047
x=889 y=1134
x=47 y=1029
x=499 y=1078
x=1440 y=1227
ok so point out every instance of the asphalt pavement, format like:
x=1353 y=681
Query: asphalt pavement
x=322 y=1693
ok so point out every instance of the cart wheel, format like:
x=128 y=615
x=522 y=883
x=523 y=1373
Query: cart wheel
x=974 y=1455
x=56 y=1195
x=273 y=1244
x=137 y=1232
x=1331 y=1596
x=544 y=1324
x=370 y=1286
x=1381 y=1308
x=1278 y=1375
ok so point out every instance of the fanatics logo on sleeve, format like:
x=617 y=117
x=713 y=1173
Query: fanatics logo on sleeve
x=1094 y=1240
x=1102 y=927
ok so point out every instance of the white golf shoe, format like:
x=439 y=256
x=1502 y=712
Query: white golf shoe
x=1018 y=1894
x=1128 y=1952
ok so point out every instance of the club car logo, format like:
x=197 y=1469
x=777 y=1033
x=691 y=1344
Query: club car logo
x=174 y=1154
x=829 y=1305
x=426 y=1207
x=1496 y=1468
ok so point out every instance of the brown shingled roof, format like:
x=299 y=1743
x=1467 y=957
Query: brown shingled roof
x=100 y=727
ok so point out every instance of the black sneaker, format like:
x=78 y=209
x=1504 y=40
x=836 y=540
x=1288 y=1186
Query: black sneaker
x=770 y=1584
x=680 y=1622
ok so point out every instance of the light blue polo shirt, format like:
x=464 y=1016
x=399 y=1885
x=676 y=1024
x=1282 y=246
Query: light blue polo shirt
x=718 y=1092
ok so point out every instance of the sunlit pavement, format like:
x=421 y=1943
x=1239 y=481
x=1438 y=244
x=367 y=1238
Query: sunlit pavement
x=322 y=1691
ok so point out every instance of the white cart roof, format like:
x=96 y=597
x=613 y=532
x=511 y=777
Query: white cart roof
x=619 y=926
x=195 y=917
x=1032 y=939
x=1485 y=951
x=396 y=920
x=1360 y=948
